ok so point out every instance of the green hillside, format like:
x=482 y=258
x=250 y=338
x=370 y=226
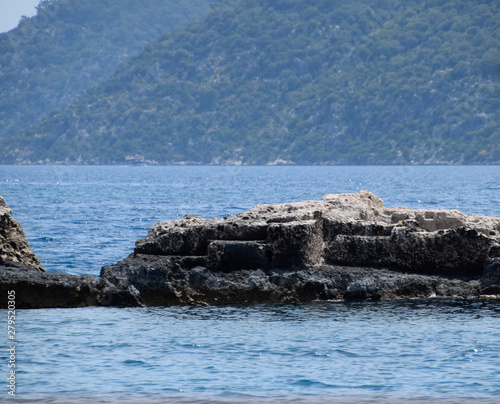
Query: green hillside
x=291 y=81
x=52 y=58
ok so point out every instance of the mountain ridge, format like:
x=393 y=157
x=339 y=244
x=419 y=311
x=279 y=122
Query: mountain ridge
x=289 y=82
x=51 y=59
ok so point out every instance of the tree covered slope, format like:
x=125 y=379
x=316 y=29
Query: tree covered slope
x=52 y=58
x=292 y=81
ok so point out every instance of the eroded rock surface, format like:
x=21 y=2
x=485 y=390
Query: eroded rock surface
x=346 y=246
x=14 y=248
x=35 y=289
x=21 y=272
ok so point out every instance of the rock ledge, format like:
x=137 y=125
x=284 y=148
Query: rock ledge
x=344 y=247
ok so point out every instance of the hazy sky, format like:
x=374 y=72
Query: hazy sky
x=12 y=10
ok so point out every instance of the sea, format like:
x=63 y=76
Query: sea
x=79 y=218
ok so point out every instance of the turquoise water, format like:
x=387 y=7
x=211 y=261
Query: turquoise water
x=80 y=218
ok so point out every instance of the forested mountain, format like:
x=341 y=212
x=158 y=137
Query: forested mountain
x=52 y=58
x=293 y=81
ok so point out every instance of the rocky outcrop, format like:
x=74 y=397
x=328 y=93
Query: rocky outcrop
x=14 y=248
x=21 y=272
x=346 y=246
x=34 y=289
x=348 y=229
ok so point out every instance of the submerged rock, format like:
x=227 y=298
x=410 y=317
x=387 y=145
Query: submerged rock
x=346 y=246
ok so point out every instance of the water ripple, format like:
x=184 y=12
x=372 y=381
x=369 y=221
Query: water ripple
x=80 y=218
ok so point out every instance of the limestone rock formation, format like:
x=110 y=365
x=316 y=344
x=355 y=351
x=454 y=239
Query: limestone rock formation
x=14 y=248
x=346 y=246
x=347 y=229
x=21 y=272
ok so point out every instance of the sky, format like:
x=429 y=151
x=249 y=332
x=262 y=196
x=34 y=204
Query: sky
x=12 y=10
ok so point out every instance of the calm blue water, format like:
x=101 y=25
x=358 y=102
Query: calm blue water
x=80 y=218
